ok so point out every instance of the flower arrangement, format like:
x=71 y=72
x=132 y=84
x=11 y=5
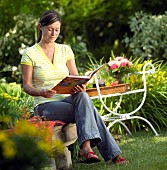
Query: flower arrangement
x=119 y=67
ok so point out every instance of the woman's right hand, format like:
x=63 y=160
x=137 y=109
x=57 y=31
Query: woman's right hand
x=47 y=93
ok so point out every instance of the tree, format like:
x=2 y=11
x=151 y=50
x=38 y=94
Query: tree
x=17 y=30
x=97 y=26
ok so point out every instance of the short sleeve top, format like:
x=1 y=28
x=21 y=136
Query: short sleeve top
x=45 y=73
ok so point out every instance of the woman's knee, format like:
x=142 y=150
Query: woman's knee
x=82 y=95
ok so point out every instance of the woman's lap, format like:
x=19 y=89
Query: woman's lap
x=56 y=110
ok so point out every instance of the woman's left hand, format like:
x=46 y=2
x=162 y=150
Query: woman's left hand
x=81 y=88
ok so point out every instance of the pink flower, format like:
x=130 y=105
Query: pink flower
x=113 y=65
x=124 y=62
x=122 y=65
x=119 y=58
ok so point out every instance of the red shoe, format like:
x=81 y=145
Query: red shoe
x=120 y=161
x=91 y=157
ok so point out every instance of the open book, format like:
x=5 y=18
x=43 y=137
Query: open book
x=68 y=83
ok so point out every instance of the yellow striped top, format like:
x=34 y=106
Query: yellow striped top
x=45 y=73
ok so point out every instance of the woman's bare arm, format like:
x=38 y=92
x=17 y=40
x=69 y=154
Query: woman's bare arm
x=27 y=72
x=72 y=67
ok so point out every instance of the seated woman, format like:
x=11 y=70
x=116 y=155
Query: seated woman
x=44 y=65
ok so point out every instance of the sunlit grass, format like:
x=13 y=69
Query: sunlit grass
x=143 y=150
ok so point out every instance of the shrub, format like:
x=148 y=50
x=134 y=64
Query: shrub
x=154 y=108
x=149 y=36
x=14 y=104
x=25 y=147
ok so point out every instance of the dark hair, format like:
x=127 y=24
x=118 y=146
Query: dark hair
x=46 y=19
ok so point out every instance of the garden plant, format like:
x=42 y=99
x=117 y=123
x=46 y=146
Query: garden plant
x=154 y=108
x=92 y=29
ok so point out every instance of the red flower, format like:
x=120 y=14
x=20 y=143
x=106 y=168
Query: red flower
x=115 y=83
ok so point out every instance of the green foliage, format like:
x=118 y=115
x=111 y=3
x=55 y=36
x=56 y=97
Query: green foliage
x=16 y=39
x=18 y=29
x=11 y=9
x=153 y=6
x=97 y=26
x=80 y=51
x=154 y=108
x=14 y=103
x=33 y=157
x=96 y=23
x=13 y=154
x=149 y=36
x=11 y=74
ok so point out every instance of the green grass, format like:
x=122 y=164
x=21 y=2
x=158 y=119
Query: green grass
x=143 y=150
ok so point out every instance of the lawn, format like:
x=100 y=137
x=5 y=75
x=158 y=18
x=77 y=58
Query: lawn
x=143 y=150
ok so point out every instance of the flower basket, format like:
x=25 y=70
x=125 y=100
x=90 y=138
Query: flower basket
x=120 y=88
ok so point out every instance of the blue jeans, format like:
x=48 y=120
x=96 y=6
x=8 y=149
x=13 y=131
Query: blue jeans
x=78 y=108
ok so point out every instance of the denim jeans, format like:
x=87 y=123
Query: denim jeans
x=78 y=108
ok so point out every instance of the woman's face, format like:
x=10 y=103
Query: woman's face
x=51 y=32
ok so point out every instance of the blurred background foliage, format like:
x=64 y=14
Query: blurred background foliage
x=91 y=27
x=149 y=36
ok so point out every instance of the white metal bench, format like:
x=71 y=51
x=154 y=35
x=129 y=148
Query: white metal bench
x=113 y=116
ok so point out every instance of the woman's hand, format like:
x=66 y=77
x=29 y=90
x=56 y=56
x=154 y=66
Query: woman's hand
x=47 y=93
x=81 y=88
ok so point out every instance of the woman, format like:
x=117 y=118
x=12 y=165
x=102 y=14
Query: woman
x=44 y=65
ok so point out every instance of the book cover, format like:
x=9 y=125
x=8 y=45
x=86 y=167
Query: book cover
x=68 y=83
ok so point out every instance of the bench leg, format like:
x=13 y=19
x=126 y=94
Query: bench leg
x=51 y=165
x=63 y=160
